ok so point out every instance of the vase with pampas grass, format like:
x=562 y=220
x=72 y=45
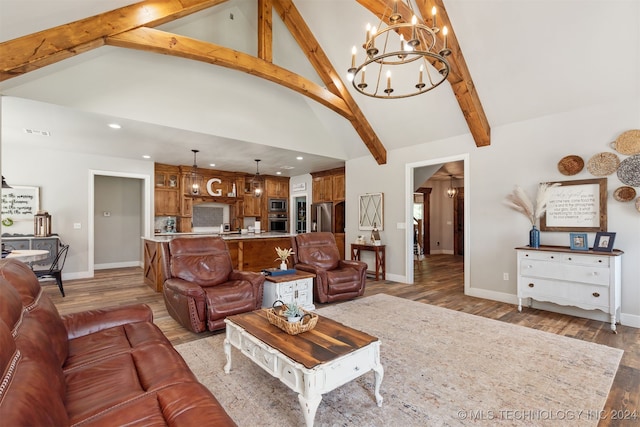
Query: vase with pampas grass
x=519 y=201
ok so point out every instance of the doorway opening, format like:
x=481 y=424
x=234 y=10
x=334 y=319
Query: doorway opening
x=442 y=222
x=142 y=215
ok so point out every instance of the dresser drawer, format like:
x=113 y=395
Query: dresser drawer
x=598 y=261
x=561 y=271
x=566 y=293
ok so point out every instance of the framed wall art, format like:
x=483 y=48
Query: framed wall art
x=579 y=205
x=20 y=203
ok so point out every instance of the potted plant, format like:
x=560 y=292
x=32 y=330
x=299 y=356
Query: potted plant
x=293 y=312
x=283 y=256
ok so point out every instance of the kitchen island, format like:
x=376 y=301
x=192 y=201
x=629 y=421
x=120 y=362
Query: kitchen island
x=249 y=252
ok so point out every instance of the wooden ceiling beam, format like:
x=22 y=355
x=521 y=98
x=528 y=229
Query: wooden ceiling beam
x=459 y=77
x=311 y=48
x=265 y=30
x=34 y=51
x=152 y=40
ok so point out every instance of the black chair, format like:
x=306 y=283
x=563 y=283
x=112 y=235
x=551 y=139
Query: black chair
x=55 y=270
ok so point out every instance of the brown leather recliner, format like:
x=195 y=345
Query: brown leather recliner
x=201 y=288
x=336 y=279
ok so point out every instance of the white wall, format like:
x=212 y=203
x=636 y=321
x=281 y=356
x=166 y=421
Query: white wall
x=64 y=180
x=524 y=153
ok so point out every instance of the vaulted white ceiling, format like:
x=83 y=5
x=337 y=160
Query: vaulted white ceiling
x=528 y=59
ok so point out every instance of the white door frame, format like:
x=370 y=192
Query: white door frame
x=409 y=190
x=147 y=227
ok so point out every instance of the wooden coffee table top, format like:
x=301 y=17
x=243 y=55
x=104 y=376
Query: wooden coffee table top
x=324 y=343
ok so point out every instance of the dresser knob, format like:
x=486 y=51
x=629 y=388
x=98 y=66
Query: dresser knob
x=531 y=285
x=552 y=257
x=596 y=294
x=569 y=258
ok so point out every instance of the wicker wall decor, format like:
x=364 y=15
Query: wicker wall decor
x=629 y=171
x=624 y=194
x=603 y=164
x=570 y=165
x=628 y=143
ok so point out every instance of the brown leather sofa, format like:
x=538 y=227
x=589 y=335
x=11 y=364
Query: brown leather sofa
x=100 y=367
x=336 y=279
x=201 y=288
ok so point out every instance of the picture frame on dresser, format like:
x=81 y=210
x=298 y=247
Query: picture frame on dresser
x=604 y=241
x=578 y=241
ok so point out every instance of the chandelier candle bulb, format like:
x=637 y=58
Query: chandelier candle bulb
x=433 y=14
x=421 y=69
x=444 y=33
x=388 y=79
x=368 y=35
x=353 y=57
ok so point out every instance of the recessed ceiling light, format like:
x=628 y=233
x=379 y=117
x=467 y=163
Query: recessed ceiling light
x=114 y=126
x=212 y=164
x=299 y=158
x=278 y=173
x=146 y=156
x=287 y=167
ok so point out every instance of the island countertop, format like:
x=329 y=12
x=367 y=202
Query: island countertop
x=249 y=252
x=165 y=237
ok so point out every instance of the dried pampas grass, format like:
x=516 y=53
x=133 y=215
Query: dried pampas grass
x=519 y=201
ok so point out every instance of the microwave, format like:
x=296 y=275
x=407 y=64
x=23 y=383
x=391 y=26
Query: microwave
x=277 y=205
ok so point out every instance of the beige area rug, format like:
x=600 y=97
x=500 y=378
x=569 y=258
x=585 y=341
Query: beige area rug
x=442 y=368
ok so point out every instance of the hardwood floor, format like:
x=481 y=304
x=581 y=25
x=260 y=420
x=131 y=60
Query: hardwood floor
x=439 y=281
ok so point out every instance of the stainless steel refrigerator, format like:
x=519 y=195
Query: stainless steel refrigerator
x=322 y=217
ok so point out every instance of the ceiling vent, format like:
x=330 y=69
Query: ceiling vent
x=37 y=132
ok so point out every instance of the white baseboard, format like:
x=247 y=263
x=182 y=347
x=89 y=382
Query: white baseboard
x=117 y=265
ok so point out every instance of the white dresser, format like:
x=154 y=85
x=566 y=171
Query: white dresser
x=289 y=288
x=586 y=279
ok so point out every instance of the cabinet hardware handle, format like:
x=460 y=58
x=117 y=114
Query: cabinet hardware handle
x=599 y=260
x=531 y=285
x=596 y=294
x=569 y=258
x=552 y=256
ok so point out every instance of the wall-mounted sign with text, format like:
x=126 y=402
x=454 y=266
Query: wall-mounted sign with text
x=20 y=203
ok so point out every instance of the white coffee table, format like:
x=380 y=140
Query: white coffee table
x=338 y=354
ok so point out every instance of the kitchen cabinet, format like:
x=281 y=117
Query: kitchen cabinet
x=338 y=186
x=589 y=280
x=322 y=190
x=277 y=187
x=167 y=190
x=252 y=206
x=167 y=202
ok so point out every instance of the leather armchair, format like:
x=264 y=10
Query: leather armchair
x=336 y=279
x=201 y=288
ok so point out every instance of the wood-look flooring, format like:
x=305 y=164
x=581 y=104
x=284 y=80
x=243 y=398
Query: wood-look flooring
x=439 y=281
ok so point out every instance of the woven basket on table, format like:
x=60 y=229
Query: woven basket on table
x=307 y=323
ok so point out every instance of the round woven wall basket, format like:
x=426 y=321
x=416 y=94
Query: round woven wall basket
x=628 y=143
x=629 y=171
x=624 y=194
x=603 y=164
x=570 y=165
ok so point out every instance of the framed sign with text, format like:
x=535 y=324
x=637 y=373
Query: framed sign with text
x=579 y=205
x=20 y=203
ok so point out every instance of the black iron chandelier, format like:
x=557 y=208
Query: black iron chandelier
x=400 y=41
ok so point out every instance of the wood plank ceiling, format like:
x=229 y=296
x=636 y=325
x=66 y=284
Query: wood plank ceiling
x=133 y=27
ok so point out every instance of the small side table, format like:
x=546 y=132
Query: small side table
x=289 y=288
x=379 y=254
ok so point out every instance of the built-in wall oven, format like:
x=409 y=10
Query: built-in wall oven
x=278 y=222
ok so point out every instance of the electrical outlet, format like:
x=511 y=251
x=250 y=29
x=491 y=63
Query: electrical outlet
x=505 y=276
